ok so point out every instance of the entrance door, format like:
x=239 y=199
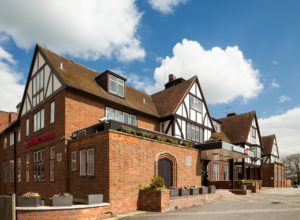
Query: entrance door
x=165 y=170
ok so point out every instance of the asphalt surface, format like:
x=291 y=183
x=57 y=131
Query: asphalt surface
x=266 y=204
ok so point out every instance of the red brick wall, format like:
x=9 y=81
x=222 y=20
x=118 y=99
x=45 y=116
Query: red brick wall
x=157 y=201
x=70 y=214
x=133 y=161
x=268 y=175
x=210 y=169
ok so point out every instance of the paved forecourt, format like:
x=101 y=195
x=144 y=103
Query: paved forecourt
x=267 y=204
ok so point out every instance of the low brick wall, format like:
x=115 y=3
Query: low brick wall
x=157 y=201
x=187 y=201
x=93 y=213
x=236 y=183
x=288 y=183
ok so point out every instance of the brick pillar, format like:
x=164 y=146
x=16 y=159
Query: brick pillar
x=243 y=169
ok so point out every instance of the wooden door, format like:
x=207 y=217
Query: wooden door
x=165 y=170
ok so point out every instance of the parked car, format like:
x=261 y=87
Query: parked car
x=296 y=186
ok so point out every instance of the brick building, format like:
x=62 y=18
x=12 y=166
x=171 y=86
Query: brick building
x=67 y=135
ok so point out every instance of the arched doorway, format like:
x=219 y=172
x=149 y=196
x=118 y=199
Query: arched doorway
x=165 y=170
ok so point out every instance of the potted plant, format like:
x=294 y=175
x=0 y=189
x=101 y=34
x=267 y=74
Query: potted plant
x=29 y=199
x=203 y=190
x=194 y=190
x=174 y=191
x=62 y=199
x=211 y=189
x=183 y=191
x=94 y=199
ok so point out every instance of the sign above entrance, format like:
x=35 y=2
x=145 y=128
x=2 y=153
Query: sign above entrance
x=39 y=140
x=238 y=149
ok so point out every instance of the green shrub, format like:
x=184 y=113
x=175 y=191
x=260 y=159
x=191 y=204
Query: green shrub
x=127 y=130
x=145 y=187
x=161 y=138
x=172 y=141
x=145 y=134
x=158 y=183
x=186 y=144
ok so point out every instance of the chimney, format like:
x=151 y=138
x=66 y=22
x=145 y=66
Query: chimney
x=171 y=77
x=231 y=114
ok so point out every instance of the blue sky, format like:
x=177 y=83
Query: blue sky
x=265 y=32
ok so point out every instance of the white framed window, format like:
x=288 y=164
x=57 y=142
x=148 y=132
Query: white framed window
x=73 y=161
x=11 y=139
x=116 y=86
x=19 y=169
x=253 y=132
x=4 y=172
x=120 y=116
x=39 y=120
x=38 y=82
x=27 y=167
x=226 y=176
x=52 y=112
x=216 y=172
x=196 y=103
x=5 y=143
x=90 y=162
x=52 y=163
x=38 y=166
x=83 y=163
x=11 y=171
x=194 y=133
x=19 y=135
x=27 y=127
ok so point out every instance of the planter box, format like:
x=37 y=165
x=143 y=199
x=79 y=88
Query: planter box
x=211 y=189
x=174 y=192
x=62 y=200
x=183 y=192
x=154 y=201
x=29 y=201
x=194 y=191
x=203 y=190
x=244 y=187
x=94 y=199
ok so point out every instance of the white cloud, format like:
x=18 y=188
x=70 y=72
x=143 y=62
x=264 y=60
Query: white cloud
x=224 y=74
x=165 y=6
x=275 y=84
x=138 y=82
x=284 y=98
x=286 y=127
x=275 y=62
x=84 y=29
x=10 y=87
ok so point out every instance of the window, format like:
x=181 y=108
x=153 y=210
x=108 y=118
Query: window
x=116 y=85
x=27 y=127
x=225 y=172
x=217 y=127
x=120 y=116
x=52 y=163
x=19 y=135
x=38 y=120
x=38 y=82
x=11 y=171
x=52 y=112
x=196 y=103
x=19 y=169
x=27 y=167
x=279 y=174
x=216 y=172
x=4 y=172
x=275 y=176
x=38 y=166
x=83 y=163
x=253 y=132
x=194 y=133
x=90 y=162
x=73 y=161
x=5 y=143
x=11 y=139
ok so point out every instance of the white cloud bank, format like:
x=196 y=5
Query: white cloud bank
x=286 y=127
x=165 y=6
x=224 y=74
x=84 y=29
x=11 y=89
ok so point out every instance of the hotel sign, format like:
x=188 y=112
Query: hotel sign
x=238 y=149
x=39 y=140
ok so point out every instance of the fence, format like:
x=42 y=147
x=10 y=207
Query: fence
x=8 y=207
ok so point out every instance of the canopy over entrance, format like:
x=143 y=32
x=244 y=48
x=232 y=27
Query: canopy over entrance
x=221 y=150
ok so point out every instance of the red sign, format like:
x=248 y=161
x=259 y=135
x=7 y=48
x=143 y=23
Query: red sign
x=39 y=140
x=246 y=151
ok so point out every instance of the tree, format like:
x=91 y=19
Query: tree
x=292 y=165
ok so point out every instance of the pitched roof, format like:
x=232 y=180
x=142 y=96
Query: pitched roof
x=237 y=127
x=80 y=77
x=267 y=144
x=166 y=101
x=220 y=136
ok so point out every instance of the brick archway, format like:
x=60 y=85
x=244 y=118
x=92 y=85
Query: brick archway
x=171 y=157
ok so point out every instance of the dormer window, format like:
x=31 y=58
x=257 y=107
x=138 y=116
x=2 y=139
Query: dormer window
x=116 y=86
